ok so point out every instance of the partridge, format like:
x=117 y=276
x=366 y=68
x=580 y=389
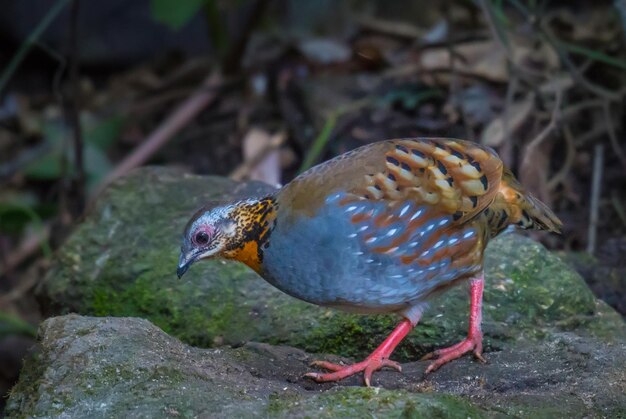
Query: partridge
x=380 y=229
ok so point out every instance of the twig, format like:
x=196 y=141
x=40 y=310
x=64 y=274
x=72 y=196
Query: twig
x=320 y=141
x=164 y=132
x=593 y=54
x=244 y=168
x=232 y=60
x=413 y=69
x=21 y=288
x=594 y=88
x=540 y=138
x=503 y=42
x=75 y=105
x=74 y=112
x=60 y=71
x=455 y=87
x=29 y=42
x=27 y=248
x=546 y=35
x=596 y=185
x=596 y=131
x=161 y=99
x=191 y=107
x=610 y=128
x=496 y=30
x=570 y=155
x=506 y=152
x=573 y=110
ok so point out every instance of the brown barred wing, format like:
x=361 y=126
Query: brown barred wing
x=452 y=176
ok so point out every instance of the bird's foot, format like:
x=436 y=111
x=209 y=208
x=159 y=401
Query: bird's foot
x=473 y=343
x=377 y=359
x=339 y=372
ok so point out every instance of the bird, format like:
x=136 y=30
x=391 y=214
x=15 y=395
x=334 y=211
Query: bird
x=382 y=228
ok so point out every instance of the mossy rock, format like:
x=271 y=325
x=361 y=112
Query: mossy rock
x=121 y=261
x=127 y=367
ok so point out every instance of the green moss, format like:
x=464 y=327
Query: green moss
x=22 y=395
x=545 y=407
x=83 y=332
x=195 y=314
x=374 y=402
x=356 y=336
x=529 y=288
x=109 y=374
x=279 y=402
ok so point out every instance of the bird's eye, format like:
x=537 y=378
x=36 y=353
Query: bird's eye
x=201 y=238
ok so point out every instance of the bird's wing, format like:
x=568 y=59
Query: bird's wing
x=410 y=198
x=453 y=177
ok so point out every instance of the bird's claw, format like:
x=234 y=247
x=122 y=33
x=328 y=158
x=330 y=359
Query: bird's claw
x=325 y=365
x=339 y=372
x=443 y=356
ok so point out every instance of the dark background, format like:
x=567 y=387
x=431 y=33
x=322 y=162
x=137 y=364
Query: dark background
x=265 y=89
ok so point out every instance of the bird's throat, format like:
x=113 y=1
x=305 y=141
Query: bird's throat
x=255 y=221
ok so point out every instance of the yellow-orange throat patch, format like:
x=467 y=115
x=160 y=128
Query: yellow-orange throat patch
x=254 y=221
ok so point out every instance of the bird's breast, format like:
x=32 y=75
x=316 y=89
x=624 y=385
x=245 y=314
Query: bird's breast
x=341 y=256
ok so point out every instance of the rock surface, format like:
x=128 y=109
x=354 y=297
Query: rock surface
x=127 y=367
x=551 y=346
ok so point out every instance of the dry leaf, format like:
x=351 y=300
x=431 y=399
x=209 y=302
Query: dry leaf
x=493 y=135
x=325 y=50
x=482 y=59
x=260 y=143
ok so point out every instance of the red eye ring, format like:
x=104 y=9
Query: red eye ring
x=201 y=238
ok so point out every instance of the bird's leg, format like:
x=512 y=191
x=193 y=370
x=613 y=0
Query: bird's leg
x=474 y=340
x=375 y=361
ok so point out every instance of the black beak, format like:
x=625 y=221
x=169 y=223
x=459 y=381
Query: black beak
x=183 y=264
x=180 y=271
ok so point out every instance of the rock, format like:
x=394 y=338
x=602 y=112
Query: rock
x=127 y=367
x=551 y=346
x=13 y=349
x=121 y=261
x=606 y=274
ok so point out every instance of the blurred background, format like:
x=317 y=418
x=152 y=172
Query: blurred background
x=264 y=89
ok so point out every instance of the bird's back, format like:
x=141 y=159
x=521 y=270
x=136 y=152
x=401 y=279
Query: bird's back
x=390 y=223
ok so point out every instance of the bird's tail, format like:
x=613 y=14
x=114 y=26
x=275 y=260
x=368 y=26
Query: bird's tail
x=524 y=209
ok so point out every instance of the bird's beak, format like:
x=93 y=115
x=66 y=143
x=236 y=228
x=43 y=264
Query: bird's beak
x=184 y=263
x=188 y=258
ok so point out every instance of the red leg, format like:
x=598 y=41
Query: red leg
x=377 y=359
x=474 y=340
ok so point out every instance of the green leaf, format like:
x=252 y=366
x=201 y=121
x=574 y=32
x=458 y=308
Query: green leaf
x=97 y=165
x=175 y=13
x=14 y=211
x=593 y=54
x=13 y=325
x=46 y=168
x=103 y=134
x=499 y=14
x=410 y=98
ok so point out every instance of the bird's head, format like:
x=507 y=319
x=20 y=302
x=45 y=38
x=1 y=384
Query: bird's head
x=209 y=232
x=233 y=231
